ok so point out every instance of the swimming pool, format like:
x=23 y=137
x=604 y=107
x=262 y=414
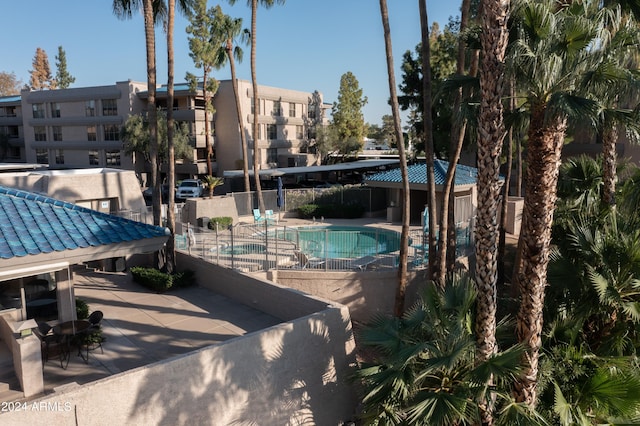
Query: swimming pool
x=341 y=242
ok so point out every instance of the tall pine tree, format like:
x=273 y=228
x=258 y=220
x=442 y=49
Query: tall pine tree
x=63 y=78
x=41 y=77
x=348 y=121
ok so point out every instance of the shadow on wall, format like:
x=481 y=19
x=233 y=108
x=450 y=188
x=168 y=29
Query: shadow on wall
x=294 y=376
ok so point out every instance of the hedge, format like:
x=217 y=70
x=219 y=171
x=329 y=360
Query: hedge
x=160 y=281
x=224 y=222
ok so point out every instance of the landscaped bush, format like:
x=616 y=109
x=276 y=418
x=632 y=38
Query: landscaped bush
x=224 y=222
x=82 y=309
x=160 y=281
x=344 y=211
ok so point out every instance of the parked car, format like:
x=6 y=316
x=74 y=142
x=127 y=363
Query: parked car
x=147 y=194
x=190 y=188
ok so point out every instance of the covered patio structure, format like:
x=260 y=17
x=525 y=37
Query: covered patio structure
x=41 y=239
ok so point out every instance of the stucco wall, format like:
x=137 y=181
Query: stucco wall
x=218 y=206
x=82 y=185
x=364 y=293
x=273 y=299
x=292 y=373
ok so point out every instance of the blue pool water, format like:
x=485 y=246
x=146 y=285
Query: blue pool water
x=342 y=242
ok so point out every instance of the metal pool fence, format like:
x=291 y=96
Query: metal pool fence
x=265 y=246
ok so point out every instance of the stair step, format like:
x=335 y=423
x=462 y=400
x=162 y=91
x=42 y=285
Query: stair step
x=11 y=395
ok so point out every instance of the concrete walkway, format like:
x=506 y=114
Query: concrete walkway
x=142 y=327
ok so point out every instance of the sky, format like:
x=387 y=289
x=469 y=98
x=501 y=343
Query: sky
x=302 y=45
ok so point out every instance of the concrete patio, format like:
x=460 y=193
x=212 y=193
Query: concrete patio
x=142 y=327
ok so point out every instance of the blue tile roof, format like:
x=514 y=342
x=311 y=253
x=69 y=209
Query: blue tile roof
x=465 y=175
x=32 y=224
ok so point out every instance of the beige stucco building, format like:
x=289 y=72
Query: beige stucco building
x=80 y=127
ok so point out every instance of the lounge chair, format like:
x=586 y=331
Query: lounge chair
x=308 y=263
x=362 y=262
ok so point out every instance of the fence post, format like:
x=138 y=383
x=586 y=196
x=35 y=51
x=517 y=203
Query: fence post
x=265 y=267
x=232 y=246
x=326 y=247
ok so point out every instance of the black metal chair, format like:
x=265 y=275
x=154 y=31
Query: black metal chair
x=51 y=344
x=92 y=338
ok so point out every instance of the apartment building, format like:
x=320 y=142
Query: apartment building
x=80 y=127
x=11 y=130
x=287 y=123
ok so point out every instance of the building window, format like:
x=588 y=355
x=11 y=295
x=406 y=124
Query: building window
x=57 y=133
x=272 y=155
x=90 y=108
x=59 y=156
x=109 y=107
x=55 y=110
x=292 y=109
x=40 y=133
x=311 y=133
x=94 y=159
x=111 y=132
x=277 y=108
x=38 y=110
x=42 y=156
x=91 y=133
x=113 y=158
x=299 y=132
x=272 y=131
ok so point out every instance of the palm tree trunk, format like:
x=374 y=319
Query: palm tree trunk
x=490 y=136
x=448 y=239
x=428 y=136
x=406 y=206
x=256 y=106
x=149 y=32
x=505 y=190
x=207 y=124
x=543 y=162
x=609 y=162
x=243 y=136
x=171 y=214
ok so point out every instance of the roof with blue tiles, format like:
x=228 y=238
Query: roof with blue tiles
x=33 y=224
x=465 y=175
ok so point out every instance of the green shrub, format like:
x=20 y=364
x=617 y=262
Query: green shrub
x=307 y=211
x=338 y=211
x=82 y=309
x=160 y=281
x=224 y=222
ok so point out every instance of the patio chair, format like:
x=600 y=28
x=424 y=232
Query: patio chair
x=92 y=338
x=51 y=344
x=308 y=263
x=270 y=217
x=257 y=216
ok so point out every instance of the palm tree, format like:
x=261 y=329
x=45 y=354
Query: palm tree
x=556 y=47
x=254 y=82
x=124 y=9
x=170 y=248
x=406 y=207
x=427 y=123
x=491 y=133
x=624 y=53
x=427 y=371
x=229 y=29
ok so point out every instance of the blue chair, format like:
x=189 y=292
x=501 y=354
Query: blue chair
x=257 y=216
x=270 y=216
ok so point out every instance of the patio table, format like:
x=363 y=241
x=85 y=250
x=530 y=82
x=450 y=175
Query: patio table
x=67 y=331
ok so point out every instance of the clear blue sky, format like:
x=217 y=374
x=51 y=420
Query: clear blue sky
x=302 y=45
